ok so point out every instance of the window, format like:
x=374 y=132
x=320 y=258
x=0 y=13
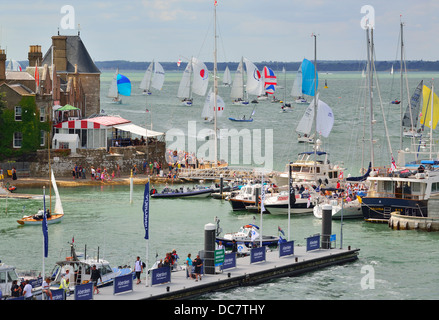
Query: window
x=17 y=113
x=18 y=139
x=42 y=114
x=42 y=138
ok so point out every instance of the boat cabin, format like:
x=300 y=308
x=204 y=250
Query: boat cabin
x=409 y=186
x=80 y=271
x=7 y=275
x=306 y=166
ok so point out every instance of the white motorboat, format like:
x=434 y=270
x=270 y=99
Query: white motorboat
x=80 y=270
x=302 y=170
x=278 y=204
x=350 y=209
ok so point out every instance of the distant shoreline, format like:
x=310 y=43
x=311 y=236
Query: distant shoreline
x=322 y=65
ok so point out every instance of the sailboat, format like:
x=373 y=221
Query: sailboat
x=154 y=77
x=54 y=217
x=208 y=113
x=269 y=82
x=254 y=84
x=296 y=91
x=324 y=121
x=410 y=119
x=227 y=77
x=120 y=85
x=195 y=80
x=237 y=92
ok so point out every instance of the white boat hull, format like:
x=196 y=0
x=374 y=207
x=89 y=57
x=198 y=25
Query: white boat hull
x=351 y=210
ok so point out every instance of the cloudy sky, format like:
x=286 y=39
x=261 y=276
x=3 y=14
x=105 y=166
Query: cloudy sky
x=261 y=30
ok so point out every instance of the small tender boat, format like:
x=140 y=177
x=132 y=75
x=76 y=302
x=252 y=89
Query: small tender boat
x=52 y=217
x=247 y=235
x=241 y=120
x=183 y=192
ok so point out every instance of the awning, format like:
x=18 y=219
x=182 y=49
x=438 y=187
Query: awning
x=67 y=107
x=138 y=130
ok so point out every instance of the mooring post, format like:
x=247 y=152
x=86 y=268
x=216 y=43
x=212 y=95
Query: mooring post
x=209 y=248
x=326 y=226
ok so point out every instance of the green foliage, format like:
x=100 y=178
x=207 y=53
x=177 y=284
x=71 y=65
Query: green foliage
x=30 y=127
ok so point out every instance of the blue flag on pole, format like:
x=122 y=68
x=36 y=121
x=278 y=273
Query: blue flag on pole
x=44 y=225
x=146 y=210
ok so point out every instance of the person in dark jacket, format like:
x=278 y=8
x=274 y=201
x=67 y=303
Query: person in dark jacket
x=95 y=276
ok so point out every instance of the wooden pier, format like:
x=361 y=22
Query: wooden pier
x=244 y=274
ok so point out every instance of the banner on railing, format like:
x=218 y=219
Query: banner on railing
x=84 y=291
x=160 y=275
x=313 y=243
x=286 y=248
x=257 y=254
x=123 y=284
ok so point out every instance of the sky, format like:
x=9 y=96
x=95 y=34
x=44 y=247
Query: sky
x=260 y=30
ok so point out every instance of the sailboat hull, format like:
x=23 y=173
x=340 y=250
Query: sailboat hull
x=30 y=220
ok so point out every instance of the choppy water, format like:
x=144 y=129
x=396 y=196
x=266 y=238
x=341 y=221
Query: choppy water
x=404 y=263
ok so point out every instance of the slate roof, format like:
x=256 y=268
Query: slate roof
x=76 y=54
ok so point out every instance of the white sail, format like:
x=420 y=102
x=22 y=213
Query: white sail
x=305 y=124
x=113 y=93
x=254 y=83
x=184 y=90
x=325 y=119
x=201 y=77
x=227 y=78
x=58 y=205
x=237 y=91
x=208 y=112
x=146 y=81
x=296 y=91
x=159 y=76
x=13 y=65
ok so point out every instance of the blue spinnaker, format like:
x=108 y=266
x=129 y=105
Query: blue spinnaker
x=123 y=85
x=308 y=78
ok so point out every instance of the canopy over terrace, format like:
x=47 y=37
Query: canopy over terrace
x=102 y=131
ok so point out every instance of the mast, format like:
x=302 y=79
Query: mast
x=370 y=81
x=431 y=119
x=215 y=85
x=401 y=89
x=315 y=105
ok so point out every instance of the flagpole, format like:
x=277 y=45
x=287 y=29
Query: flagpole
x=262 y=206
x=146 y=225
x=44 y=244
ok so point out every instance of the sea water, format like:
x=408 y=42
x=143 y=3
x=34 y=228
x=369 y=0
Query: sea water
x=391 y=265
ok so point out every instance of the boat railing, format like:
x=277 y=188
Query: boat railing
x=398 y=195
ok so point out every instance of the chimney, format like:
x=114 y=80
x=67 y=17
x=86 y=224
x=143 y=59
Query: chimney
x=59 y=44
x=2 y=65
x=35 y=55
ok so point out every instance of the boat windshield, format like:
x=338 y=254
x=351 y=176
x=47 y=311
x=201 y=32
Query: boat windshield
x=8 y=276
